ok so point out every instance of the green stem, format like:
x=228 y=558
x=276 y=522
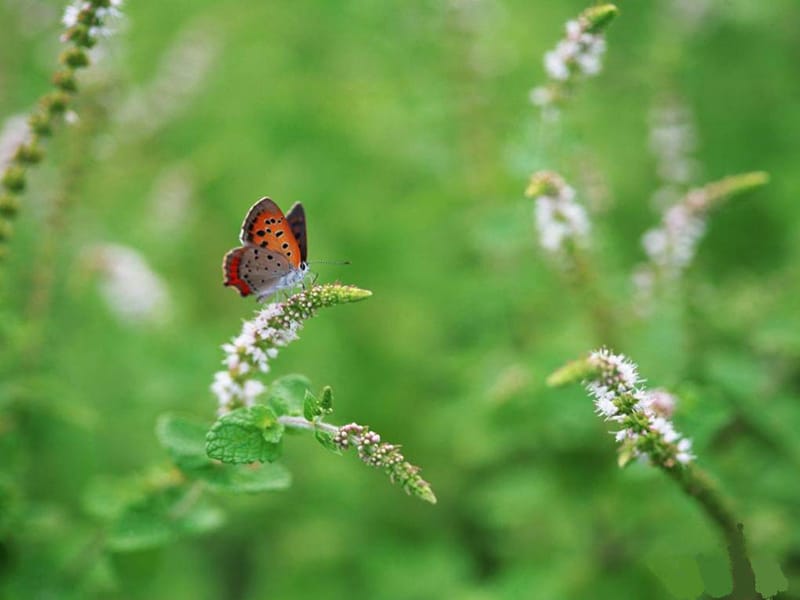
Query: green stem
x=602 y=315
x=189 y=499
x=305 y=424
x=699 y=486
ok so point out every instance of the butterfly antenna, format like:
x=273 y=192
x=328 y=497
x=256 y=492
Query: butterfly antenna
x=328 y=262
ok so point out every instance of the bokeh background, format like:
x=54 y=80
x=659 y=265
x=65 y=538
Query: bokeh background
x=406 y=130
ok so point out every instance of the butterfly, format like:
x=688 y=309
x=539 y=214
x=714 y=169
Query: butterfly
x=273 y=251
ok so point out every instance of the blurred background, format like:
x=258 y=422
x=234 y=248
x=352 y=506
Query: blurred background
x=406 y=130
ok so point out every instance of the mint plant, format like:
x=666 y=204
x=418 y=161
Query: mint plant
x=645 y=432
x=253 y=417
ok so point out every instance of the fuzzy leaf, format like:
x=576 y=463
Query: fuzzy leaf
x=245 y=435
x=247 y=479
x=161 y=518
x=184 y=439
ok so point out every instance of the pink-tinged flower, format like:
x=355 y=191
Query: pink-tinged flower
x=646 y=430
x=578 y=54
x=560 y=220
x=382 y=455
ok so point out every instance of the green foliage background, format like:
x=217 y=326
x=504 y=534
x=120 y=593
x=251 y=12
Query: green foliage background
x=405 y=129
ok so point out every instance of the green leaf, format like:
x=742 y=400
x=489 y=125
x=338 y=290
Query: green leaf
x=245 y=435
x=287 y=394
x=184 y=439
x=326 y=439
x=108 y=497
x=247 y=479
x=162 y=517
x=311 y=409
x=314 y=407
x=326 y=403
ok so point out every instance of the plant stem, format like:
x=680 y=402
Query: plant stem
x=302 y=423
x=698 y=484
x=188 y=501
x=585 y=280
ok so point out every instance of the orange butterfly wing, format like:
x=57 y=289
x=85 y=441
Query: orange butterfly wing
x=266 y=227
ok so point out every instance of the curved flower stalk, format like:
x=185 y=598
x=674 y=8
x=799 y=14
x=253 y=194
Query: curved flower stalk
x=85 y=22
x=645 y=430
x=561 y=222
x=576 y=56
x=382 y=455
x=671 y=246
x=272 y=328
x=371 y=450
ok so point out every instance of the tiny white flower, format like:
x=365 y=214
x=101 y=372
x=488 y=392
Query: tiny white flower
x=684 y=454
x=559 y=218
x=665 y=428
x=589 y=64
x=606 y=407
x=628 y=373
x=542 y=95
x=71 y=117
x=251 y=390
x=555 y=66
x=70 y=18
x=573 y=28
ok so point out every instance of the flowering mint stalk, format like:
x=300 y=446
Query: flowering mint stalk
x=85 y=22
x=383 y=455
x=561 y=222
x=272 y=328
x=671 y=246
x=642 y=415
x=646 y=431
x=371 y=450
x=578 y=54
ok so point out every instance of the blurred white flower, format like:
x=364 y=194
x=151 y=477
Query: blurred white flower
x=179 y=77
x=71 y=12
x=673 y=141
x=692 y=13
x=14 y=133
x=670 y=247
x=559 y=219
x=104 y=17
x=579 y=53
x=132 y=290
x=170 y=200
